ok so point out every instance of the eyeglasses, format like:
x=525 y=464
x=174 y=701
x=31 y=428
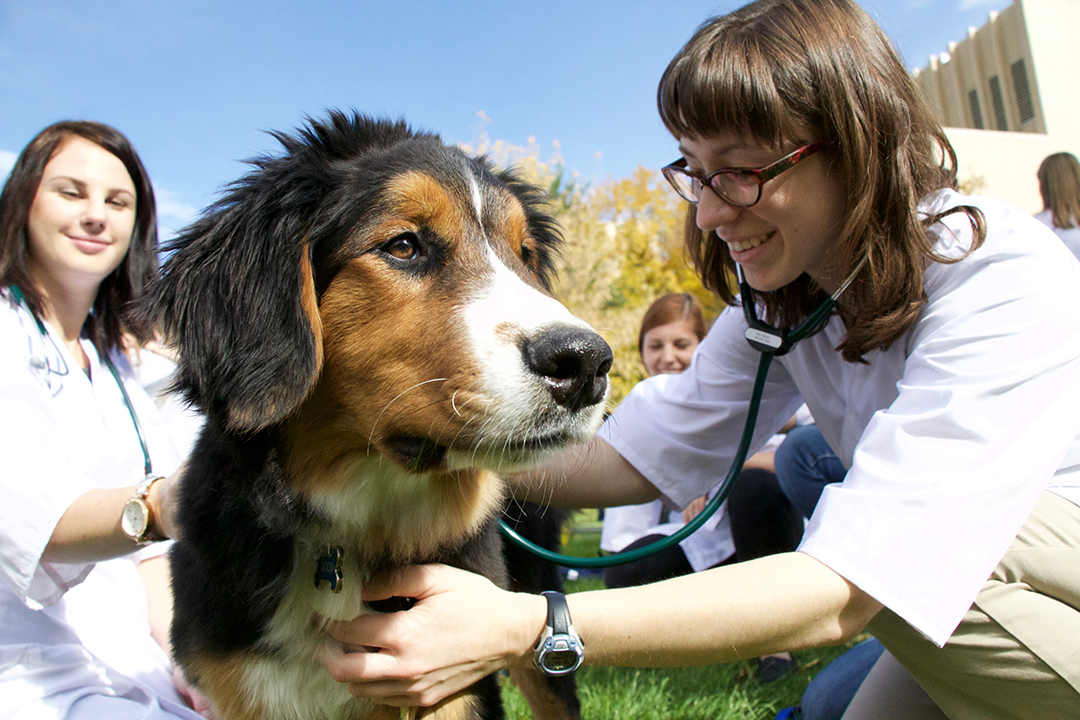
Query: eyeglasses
x=735 y=186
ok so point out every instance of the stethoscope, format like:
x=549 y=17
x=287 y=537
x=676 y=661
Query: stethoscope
x=770 y=342
x=61 y=370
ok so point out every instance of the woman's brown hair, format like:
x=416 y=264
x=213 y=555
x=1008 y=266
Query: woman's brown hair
x=107 y=322
x=673 y=307
x=1059 y=185
x=773 y=71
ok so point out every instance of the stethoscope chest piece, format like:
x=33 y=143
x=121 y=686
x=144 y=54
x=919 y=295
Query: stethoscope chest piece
x=764 y=338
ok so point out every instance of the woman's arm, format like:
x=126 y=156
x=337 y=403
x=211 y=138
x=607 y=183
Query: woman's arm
x=463 y=627
x=584 y=476
x=89 y=529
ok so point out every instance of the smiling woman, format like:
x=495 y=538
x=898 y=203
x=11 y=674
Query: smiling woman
x=80 y=227
x=86 y=606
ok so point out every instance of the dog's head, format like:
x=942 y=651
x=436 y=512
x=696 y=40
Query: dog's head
x=395 y=285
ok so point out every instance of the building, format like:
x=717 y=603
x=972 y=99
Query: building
x=1008 y=96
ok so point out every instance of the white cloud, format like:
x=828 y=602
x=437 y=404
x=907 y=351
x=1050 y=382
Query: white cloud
x=7 y=161
x=173 y=214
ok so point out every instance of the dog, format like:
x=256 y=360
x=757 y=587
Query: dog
x=366 y=323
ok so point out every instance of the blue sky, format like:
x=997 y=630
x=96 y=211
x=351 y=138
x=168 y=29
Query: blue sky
x=194 y=83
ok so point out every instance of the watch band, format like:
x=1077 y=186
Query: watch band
x=559 y=650
x=558 y=617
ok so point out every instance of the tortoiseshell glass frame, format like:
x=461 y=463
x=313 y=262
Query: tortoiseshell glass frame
x=726 y=182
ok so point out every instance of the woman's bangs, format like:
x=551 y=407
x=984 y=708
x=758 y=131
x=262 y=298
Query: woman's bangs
x=725 y=91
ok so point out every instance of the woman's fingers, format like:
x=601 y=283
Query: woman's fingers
x=460 y=628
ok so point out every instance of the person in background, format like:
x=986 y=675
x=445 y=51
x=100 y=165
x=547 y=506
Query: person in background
x=946 y=377
x=90 y=467
x=756 y=519
x=1059 y=185
x=670 y=330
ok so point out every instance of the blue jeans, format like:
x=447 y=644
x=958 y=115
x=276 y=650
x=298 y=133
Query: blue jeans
x=828 y=695
x=805 y=464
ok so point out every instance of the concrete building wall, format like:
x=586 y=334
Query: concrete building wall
x=1031 y=43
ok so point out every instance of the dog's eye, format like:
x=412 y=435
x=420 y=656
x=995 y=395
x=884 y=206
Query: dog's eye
x=403 y=247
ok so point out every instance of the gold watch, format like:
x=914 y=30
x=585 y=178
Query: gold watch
x=137 y=520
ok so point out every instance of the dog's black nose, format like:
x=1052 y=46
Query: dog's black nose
x=572 y=362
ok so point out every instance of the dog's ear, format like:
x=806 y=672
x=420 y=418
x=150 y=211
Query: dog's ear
x=237 y=298
x=542 y=226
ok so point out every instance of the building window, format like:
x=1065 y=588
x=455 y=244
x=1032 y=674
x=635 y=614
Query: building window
x=1023 y=91
x=999 y=103
x=976 y=111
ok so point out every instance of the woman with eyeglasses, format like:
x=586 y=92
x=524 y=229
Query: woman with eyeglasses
x=85 y=606
x=947 y=379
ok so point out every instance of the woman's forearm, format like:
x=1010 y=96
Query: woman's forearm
x=89 y=531
x=584 y=476
x=729 y=613
x=463 y=627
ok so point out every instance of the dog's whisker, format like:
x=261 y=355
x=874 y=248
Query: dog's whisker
x=395 y=399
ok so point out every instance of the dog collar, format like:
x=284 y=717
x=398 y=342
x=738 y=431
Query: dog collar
x=559 y=651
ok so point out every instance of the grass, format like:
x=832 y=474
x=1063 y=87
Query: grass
x=712 y=692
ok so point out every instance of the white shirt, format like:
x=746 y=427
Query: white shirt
x=950 y=435
x=70 y=630
x=1070 y=235
x=710 y=544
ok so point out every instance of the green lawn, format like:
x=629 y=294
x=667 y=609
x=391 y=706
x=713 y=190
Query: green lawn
x=712 y=692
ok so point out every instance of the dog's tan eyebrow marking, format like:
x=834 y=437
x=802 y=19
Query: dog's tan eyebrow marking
x=515 y=225
x=421 y=200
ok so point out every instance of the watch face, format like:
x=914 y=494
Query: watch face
x=561 y=661
x=133 y=520
x=562 y=654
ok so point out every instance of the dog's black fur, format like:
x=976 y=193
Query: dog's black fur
x=242 y=302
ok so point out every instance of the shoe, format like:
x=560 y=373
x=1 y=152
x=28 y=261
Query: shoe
x=772 y=669
x=791 y=713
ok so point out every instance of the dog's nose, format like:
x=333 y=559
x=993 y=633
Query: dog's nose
x=572 y=362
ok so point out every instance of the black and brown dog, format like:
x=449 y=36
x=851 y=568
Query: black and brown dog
x=364 y=320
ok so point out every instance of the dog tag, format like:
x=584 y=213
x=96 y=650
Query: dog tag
x=328 y=569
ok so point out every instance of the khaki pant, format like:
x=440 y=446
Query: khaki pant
x=1016 y=654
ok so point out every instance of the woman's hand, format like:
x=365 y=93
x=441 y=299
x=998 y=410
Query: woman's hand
x=694 y=508
x=194 y=699
x=461 y=629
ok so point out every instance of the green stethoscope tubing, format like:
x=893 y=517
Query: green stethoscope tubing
x=147 y=466
x=777 y=342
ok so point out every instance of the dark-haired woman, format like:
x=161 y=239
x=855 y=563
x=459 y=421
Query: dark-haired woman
x=947 y=381
x=85 y=606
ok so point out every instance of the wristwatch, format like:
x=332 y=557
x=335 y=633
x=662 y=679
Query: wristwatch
x=137 y=520
x=559 y=651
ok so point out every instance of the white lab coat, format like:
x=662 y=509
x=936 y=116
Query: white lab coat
x=951 y=434
x=69 y=632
